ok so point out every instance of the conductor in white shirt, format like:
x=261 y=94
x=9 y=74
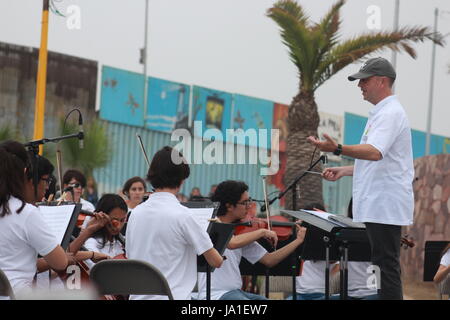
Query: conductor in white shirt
x=382 y=174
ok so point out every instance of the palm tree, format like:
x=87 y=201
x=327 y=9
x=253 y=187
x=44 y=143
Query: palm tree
x=317 y=52
x=96 y=152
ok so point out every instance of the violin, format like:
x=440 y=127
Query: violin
x=82 y=216
x=407 y=242
x=279 y=224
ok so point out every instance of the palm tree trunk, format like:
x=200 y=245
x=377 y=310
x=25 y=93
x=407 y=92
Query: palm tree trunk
x=303 y=121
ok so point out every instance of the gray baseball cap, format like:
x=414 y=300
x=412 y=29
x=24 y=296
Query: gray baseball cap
x=375 y=67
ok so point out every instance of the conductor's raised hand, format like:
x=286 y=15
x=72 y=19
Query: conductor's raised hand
x=328 y=145
x=333 y=174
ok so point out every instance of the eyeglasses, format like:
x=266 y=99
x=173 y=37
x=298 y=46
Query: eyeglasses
x=47 y=180
x=246 y=203
x=75 y=185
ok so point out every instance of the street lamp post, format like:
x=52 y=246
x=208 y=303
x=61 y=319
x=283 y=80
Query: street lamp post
x=430 y=98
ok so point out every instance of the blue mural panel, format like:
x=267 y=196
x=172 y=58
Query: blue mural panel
x=122 y=93
x=213 y=109
x=168 y=105
x=354 y=127
x=253 y=113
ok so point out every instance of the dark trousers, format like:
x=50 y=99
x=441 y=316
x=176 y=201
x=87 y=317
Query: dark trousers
x=385 y=244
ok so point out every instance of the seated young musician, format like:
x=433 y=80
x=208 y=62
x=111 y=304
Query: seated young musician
x=166 y=234
x=101 y=237
x=134 y=190
x=23 y=232
x=358 y=275
x=226 y=282
x=444 y=266
x=75 y=181
x=310 y=285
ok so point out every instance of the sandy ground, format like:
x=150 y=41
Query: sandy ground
x=419 y=290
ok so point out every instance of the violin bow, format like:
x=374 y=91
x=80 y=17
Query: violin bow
x=266 y=200
x=142 y=148
x=59 y=168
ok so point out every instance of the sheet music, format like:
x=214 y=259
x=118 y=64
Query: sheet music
x=203 y=215
x=325 y=216
x=57 y=219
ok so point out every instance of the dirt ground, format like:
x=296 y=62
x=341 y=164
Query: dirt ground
x=419 y=290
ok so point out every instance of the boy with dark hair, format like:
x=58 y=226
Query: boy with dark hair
x=164 y=233
x=226 y=282
x=76 y=181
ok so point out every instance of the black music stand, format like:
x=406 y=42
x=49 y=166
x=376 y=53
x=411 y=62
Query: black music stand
x=287 y=267
x=220 y=234
x=432 y=259
x=335 y=238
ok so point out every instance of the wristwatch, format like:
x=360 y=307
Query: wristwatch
x=338 y=151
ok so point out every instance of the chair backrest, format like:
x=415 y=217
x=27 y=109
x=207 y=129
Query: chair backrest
x=5 y=287
x=128 y=276
x=444 y=287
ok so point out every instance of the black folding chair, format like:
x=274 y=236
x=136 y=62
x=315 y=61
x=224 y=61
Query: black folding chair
x=128 y=276
x=5 y=287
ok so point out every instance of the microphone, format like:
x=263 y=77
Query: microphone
x=263 y=207
x=81 y=133
x=69 y=188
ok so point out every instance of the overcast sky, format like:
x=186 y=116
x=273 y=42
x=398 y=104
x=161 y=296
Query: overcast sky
x=231 y=45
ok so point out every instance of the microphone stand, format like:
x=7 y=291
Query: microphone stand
x=294 y=184
x=33 y=148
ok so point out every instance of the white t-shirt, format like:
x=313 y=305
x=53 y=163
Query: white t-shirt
x=312 y=279
x=111 y=248
x=228 y=276
x=382 y=190
x=358 y=276
x=86 y=205
x=445 y=260
x=166 y=234
x=22 y=237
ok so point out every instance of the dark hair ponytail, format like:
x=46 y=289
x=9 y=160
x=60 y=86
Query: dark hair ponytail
x=12 y=176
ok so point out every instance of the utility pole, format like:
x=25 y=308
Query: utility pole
x=41 y=79
x=144 y=60
x=430 y=98
x=394 y=53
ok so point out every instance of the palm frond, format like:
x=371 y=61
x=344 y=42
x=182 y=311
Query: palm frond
x=8 y=133
x=356 y=48
x=96 y=152
x=294 y=9
x=296 y=36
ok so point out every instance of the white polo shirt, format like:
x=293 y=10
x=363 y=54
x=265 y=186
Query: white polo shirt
x=228 y=276
x=23 y=236
x=166 y=234
x=382 y=190
x=445 y=260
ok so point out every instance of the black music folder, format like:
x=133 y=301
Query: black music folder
x=220 y=233
x=337 y=229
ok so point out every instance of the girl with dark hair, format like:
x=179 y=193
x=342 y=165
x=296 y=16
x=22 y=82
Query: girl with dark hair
x=134 y=189
x=101 y=235
x=444 y=266
x=23 y=232
x=166 y=234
